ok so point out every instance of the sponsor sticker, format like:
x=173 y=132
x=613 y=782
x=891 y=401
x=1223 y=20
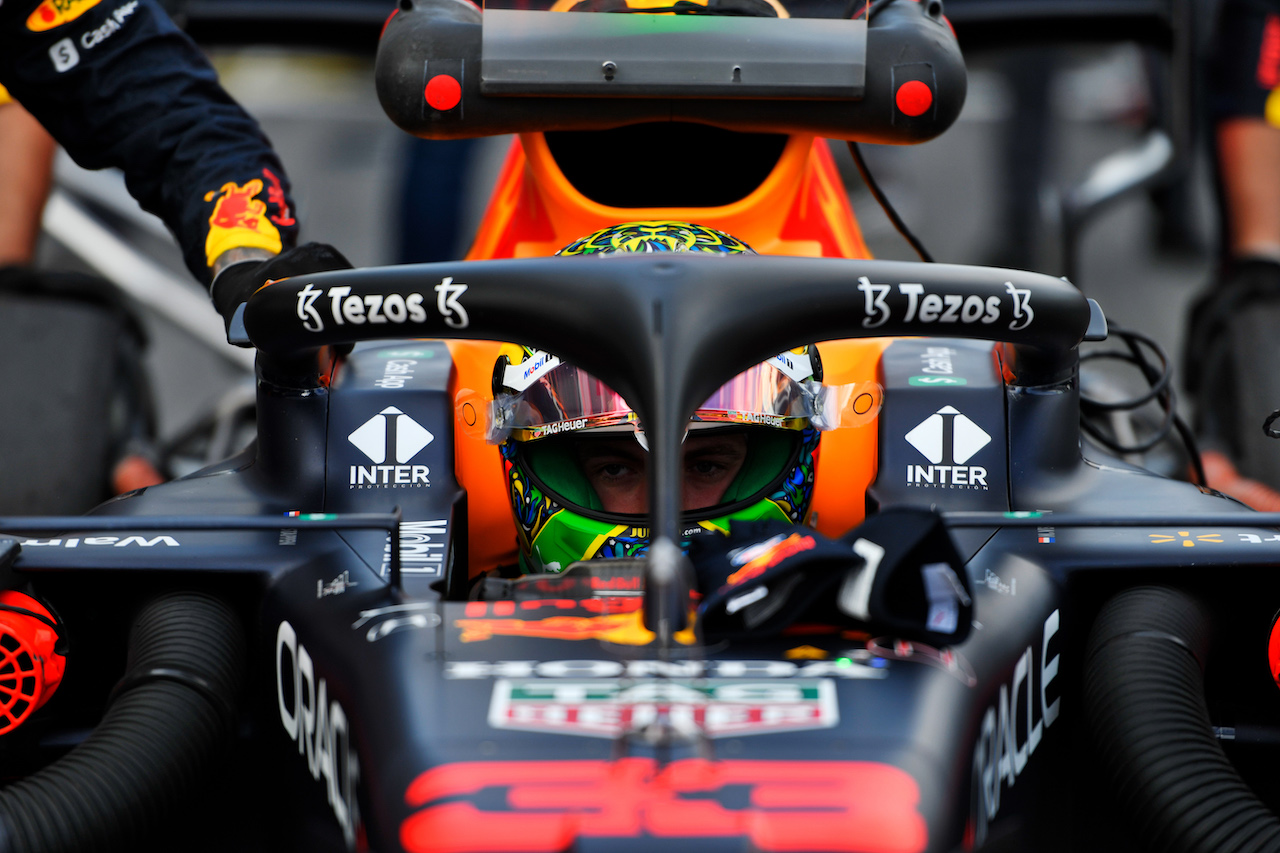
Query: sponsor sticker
x=447 y=295
x=937 y=361
x=64 y=55
x=614 y=620
x=341 y=307
x=381 y=622
x=103 y=541
x=847 y=667
x=396 y=373
x=609 y=708
x=337 y=586
x=795 y=363
x=319 y=726
x=1022 y=313
x=993 y=581
x=756 y=418
x=423 y=546
x=757 y=559
x=942 y=308
x=390 y=440
x=1187 y=539
x=1184 y=538
x=559 y=427
x=1013 y=727
x=113 y=25
x=520 y=376
x=948 y=439
x=1255 y=539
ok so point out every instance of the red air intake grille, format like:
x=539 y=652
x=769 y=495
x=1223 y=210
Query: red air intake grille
x=20 y=682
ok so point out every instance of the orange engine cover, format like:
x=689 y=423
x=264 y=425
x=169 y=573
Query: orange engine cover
x=801 y=208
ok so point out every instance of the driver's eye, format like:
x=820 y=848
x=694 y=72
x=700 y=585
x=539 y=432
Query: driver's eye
x=612 y=462
x=614 y=469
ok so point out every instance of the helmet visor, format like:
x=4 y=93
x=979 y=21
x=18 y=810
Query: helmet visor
x=567 y=399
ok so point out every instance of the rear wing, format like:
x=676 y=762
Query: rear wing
x=447 y=70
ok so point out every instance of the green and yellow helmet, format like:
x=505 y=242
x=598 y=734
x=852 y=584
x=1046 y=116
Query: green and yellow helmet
x=544 y=410
x=657 y=237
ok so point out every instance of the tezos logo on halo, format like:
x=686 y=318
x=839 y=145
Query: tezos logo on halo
x=344 y=308
x=948 y=439
x=390 y=439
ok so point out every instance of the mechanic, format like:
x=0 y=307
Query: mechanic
x=116 y=83
x=1244 y=106
x=575 y=454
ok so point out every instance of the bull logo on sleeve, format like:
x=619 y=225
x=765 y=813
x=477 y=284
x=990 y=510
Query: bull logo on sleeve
x=239 y=220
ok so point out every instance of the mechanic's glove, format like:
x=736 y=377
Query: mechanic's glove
x=234 y=285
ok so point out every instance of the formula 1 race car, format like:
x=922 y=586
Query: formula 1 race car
x=994 y=634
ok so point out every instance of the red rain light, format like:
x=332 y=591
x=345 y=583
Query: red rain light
x=914 y=97
x=443 y=92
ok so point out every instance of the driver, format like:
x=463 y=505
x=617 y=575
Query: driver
x=575 y=454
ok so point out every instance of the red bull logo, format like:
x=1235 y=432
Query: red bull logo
x=623 y=628
x=760 y=558
x=54 y=13
x=239 y=220
x=614 y=620
x=237 y=207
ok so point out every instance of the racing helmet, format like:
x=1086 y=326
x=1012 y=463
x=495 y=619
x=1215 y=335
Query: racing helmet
x=546 y=411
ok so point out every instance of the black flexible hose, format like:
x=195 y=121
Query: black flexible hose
x=1144 y=700
x=878 y=194
x=168 y=724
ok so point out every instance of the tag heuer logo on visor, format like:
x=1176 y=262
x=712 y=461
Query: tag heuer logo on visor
x=390 y=440
x=948 y=439
x=55 y=13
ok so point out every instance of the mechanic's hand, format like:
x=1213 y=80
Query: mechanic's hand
x=235 y=284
